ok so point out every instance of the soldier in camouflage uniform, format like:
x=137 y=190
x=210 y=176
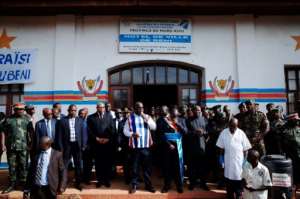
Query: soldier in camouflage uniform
x=272 y=139
x=17 y=130
x=256 y=126
x=290 y=140
x=240 y=116
x=216 y=124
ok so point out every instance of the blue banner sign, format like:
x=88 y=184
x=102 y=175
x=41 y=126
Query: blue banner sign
x=16 y=66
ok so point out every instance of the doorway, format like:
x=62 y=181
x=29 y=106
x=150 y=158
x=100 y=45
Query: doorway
x=155 y=95
x=154 y=83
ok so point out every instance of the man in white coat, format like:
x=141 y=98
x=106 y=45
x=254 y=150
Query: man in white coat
x=234 y=143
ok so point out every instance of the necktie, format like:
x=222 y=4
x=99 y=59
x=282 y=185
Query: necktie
x=49 y=134
x=40 y=169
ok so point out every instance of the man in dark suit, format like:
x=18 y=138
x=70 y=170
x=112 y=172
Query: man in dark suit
x=101 y=130
x=170 y=130
x=87 y=153
x=46 y=176
x=57 y=111
x=121 y=144
x=44 y=127
x=69 y=141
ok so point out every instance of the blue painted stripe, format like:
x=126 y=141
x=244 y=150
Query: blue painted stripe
x=155 y=38
x=243 y=100
x=94 y=102
x=62 y=92
x=254 y=90
x=3 y=166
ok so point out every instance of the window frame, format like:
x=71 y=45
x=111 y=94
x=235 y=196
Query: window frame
x=10 y=93
x=144 y=66
x=296 y=92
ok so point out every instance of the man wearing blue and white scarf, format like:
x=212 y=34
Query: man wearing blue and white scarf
x=170 y=130
x=137 y=128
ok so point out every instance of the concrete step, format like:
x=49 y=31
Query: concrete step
x=119 y=190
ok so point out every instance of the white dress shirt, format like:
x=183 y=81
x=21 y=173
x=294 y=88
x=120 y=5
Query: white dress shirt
x=46 y=159
x=48 y=126
x=256 y=178
x=234 y=146
x=72 y=129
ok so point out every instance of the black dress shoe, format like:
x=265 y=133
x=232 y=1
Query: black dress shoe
x=191 y=187
x=10 y=188
x=150 y=189
x=132 y=189
x=180 y=190
x=78 y=186
x=165 y=189
x=98 y=184
x=87 y=182
x=205 y=187
x=107 y=184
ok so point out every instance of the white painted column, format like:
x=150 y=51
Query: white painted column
x=64 y=52
x=246 y=66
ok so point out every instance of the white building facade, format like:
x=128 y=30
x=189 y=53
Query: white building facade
x=232 y=58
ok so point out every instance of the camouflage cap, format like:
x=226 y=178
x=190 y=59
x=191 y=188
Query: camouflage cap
x=19 y=106
x=241 y=104
x=29 y=107
x=216 y=107
x=275 y=110
x=249 y=101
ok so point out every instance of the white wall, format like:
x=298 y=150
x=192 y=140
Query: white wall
x=253 y=50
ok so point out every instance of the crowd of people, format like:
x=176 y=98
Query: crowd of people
x=188 y=144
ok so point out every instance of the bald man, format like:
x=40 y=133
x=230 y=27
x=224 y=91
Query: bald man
x=46 y=176
x=101 y=131
x=44 y=127
x=234 y=143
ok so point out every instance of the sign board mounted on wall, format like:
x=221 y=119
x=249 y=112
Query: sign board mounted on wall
x=151 y=35
x=16 y=66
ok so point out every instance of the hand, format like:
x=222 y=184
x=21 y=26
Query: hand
x=105 y=140
x=172 y=147
x=145 y=117
x=136 y=135
x=99 y=140
x=60 y=191
x=250 y=189
x=199 y=131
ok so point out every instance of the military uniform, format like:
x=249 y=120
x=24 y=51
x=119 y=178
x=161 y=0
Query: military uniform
x=255 y=124
x=215 y=126
x=272 y=139
x=17 y=139
x=291 y=147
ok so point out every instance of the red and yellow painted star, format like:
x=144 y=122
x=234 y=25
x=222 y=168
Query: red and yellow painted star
x=297 y=39
x=5 y=40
